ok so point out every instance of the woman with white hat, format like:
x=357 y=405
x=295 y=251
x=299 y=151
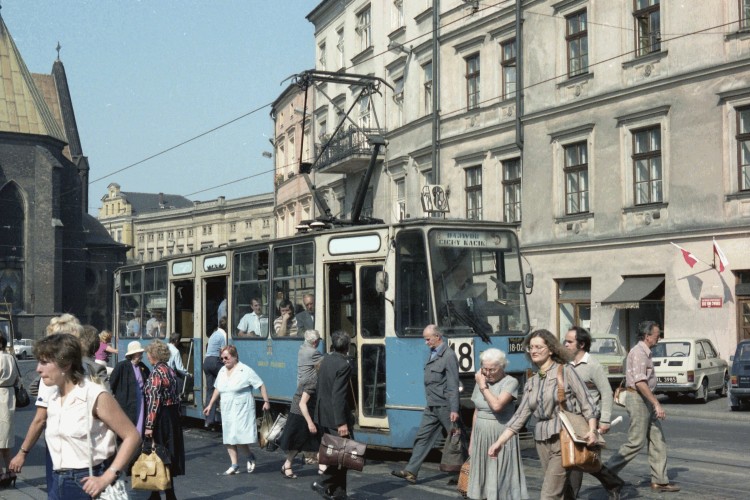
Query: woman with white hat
x=127 y=382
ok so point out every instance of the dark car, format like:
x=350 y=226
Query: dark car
x=739 y=379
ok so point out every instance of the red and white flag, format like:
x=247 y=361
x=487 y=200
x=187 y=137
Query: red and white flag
x=690 y=259
x=723 y=262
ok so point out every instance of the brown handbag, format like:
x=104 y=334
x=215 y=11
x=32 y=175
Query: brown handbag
x=620 y=394
x=463 y=479
x=341 y=452
x=575 y=455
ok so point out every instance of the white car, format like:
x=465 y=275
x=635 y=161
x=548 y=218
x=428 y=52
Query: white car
x=608 y=351
x=690 y=366
x=22 y=348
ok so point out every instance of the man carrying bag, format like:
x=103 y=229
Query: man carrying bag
x=332 y=411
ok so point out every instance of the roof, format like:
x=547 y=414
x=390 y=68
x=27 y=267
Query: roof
x=22 y=105
x=97 y=235
x=143 y=203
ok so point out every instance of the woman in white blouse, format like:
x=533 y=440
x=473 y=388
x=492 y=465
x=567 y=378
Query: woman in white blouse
x=77 y=408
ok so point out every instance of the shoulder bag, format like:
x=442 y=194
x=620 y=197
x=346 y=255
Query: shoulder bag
x=336 y=451
x=149 y=471
x=575 y=455
x=454 y=451
x=275 y=432
x=620 y=394
x=116 y=490
x=22 y=397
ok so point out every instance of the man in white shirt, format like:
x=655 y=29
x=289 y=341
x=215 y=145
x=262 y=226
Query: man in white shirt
x=155 y=325
x=253 y=324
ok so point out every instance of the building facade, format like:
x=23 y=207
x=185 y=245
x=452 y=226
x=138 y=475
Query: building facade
x=157 y=228
x=604 y=130
x=54 y=257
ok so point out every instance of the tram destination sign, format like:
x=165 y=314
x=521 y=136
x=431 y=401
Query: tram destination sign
x=490 y=240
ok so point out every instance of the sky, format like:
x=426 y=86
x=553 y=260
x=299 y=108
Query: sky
x=147 y=75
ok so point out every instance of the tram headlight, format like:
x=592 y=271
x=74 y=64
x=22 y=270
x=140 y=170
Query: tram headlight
x=460 y=387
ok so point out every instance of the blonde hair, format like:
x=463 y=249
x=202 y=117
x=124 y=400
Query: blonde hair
x=105 y=336
x=158 y=350
x=66 y=323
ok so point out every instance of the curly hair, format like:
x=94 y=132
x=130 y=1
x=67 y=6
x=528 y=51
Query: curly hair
x=64 y=350
x=557 y=352
x=105 y=336
x=66 y=323
x=158 y=350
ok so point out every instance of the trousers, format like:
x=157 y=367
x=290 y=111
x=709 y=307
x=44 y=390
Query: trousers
x=645 y=429
x=435 y=419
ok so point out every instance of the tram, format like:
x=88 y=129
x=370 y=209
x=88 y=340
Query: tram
x=381 y=283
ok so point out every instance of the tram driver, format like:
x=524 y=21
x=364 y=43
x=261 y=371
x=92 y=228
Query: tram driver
x=254 y=323
x=286 y=324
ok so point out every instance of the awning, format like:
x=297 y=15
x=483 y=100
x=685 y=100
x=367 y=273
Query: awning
x=632 y=291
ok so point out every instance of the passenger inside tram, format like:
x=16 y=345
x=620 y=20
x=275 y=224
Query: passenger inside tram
x=254 y=323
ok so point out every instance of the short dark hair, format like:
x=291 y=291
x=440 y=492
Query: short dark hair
x=645 y=327
x=64 y=350
x=174 y=338
x=286 y=303
x=223 y=322
x=3 y=342
x=583 y=338
x=340 y=341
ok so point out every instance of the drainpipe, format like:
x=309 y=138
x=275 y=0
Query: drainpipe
x=519 y=79
x=436 y=91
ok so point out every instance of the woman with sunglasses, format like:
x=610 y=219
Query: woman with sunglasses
x=234 y=385
x=540 y=400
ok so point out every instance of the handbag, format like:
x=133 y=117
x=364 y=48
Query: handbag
x=454 y=450
x=149 y=472
x=575 y=455
x=22 y=397
x=114 y=491
x=463 y=478
x=275 y=432
x=620 y=392
x=336 y=451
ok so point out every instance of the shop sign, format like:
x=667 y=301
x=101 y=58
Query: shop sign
x=711 y=302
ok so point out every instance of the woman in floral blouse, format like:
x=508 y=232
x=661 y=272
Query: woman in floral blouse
x=163 y=412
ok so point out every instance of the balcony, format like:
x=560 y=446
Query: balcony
x=348 y=152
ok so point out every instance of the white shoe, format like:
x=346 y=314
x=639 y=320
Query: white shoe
x=250 y=466
x=231 y=470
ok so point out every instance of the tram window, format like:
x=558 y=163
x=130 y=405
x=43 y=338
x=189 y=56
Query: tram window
x=155 y=298
x=413 y=305
x=293 y=279
x=372 y=304
x=251 y=299
x=130 y=310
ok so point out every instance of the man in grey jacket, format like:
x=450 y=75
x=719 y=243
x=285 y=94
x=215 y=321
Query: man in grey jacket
x=442 y=402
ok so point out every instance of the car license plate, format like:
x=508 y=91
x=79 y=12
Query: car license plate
x=666 y=380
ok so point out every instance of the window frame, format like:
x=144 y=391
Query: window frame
x=741 y=138
x=427 y=86
x=473 y=188
x=506 y=64
x=579 y=38
x=363 y=28
x=744 y=14
x=649 y=156
x=472 y=77
x=512 y=204
x=645 y=31
x=576 y=169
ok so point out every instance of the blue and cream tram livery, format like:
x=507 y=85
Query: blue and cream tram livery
x=381 y=283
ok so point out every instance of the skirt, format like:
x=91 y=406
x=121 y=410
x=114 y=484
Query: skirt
x=297 y=437
x=168 y=433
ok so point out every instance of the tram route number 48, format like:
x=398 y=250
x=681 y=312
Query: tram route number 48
x=464 y=350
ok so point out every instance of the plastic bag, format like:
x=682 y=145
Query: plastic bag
x=264 y=429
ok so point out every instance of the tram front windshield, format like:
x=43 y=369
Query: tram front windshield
x=478 y=282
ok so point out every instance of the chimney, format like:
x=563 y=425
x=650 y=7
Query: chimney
x=161 y=200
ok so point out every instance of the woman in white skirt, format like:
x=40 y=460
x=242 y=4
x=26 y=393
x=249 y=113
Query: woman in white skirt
x=234 y=385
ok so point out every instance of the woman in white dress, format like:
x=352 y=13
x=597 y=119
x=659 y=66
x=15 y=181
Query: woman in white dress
x=8 y=377
x=234 y=385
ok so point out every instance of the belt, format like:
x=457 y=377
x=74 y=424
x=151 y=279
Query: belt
x=85 y=469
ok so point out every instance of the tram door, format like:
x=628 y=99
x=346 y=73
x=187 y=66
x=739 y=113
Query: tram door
x=355 y=306
x=183 y=303
x=214 y=290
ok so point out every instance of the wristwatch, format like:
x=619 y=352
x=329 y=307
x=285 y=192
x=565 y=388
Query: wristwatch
x=117 y=472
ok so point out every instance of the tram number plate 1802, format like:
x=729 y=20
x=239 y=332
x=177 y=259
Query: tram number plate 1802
x=515 y=345
x=464 y=350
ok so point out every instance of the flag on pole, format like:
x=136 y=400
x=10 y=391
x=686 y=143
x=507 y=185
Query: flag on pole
x=723 y=262
x=690 y=259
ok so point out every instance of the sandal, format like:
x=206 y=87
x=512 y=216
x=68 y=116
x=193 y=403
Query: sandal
x=291 y=474
x=322 y=469
x=233 y=469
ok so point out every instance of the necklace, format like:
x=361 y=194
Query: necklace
x=543 y=371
